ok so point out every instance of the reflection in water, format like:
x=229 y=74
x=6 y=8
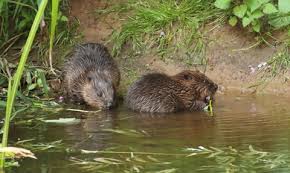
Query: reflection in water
x=238 y=121
x=89 y=135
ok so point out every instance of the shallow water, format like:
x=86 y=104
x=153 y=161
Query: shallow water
x=260 y=121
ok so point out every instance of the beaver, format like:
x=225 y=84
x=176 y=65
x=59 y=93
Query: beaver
x=92 y=76
x=160 y=93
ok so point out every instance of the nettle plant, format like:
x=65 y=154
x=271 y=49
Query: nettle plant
x=257 y=14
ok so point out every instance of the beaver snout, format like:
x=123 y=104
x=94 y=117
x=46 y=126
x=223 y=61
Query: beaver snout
x=109 y=105
x=215 y=87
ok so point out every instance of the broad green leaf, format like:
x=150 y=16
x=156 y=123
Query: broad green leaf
x=257 y=14
x=39 y=82
x=284 y=6
x=240 y=11
x=264 y=1
x=63 y=19
x=253 y=4
x=246 y=21
x=233 y=21
x=257 y=27
x=269 y=9
x=223 y=4
x=32 y=86
x=43 y=82
x=280 y=22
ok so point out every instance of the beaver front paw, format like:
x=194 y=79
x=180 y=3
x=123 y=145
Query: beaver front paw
x=198 y=105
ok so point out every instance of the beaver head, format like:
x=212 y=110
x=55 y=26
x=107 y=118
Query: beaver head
x=98 y=90
x=204 y=88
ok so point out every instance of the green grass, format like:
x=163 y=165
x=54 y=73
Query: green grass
x=168 y=26
x=21 y=15
x=281 y=62
x=276 y=67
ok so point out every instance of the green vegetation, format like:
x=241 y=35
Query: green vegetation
x=15 y=81
x=277 y=66
x=168 y=26
x=258 y=15
x=16 y=19
x=280 y=63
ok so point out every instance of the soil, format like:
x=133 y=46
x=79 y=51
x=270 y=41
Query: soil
x=229 y=54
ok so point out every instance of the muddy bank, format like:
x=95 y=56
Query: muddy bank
x=228 y=52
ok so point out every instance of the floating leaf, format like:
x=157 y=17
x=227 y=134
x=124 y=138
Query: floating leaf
x=223 y=4
x=171 y=170
x=17 y=152
x=240 y=10
x=233 y=21
x=65 y=121
x=124 y=132
x=269 y=9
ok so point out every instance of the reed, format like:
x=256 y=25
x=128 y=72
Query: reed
x=14 y=82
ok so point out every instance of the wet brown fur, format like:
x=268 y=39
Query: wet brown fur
x=157 y=92
x=91 y=76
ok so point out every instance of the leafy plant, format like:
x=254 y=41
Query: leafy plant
x=257 y=14
x=35 y=79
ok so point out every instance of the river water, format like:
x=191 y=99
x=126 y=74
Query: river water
x=248 y=133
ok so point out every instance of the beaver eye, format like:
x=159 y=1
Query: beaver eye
x=100 y=94
x=187 y=77
x=89 y=79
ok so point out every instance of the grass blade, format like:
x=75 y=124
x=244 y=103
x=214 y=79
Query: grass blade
x=16 y=79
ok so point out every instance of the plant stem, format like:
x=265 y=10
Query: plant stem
x=12 y=89
x=54 y=16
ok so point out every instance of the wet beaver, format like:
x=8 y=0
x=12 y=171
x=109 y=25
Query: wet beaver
x=92 y=76
x=187 y=90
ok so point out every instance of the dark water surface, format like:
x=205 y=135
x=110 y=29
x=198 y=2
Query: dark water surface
x=260 y=121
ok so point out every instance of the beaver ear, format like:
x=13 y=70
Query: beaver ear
x=187 y=77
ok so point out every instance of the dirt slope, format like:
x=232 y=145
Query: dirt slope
x=227 y=52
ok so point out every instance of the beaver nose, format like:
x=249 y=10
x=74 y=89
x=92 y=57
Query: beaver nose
x=215 y=87
x=110 y=105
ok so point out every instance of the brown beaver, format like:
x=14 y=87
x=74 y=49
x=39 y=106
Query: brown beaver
x=155 y=92
x=92 y=76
